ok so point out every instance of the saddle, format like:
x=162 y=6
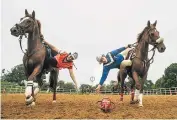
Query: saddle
x=130 y=55
x=49 y=54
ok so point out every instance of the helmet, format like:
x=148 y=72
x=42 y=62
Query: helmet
x=98 y=58
x=74 y=55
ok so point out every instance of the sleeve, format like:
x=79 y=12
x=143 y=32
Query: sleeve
x=104 y=75
x=117 y=51
x=71 y=67
x=121 y=49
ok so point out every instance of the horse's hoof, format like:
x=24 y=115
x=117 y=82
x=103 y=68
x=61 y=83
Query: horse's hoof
x=136 y=101
x=121 y=102
x=132 y=102
x=54 y=101
x=29 y=100
x=31 y=105
x=140 y=105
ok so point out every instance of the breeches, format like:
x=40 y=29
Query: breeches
x=126 y=63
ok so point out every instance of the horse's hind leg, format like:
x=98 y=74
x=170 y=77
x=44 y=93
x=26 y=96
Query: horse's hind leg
x=36 y=85
x=53 y=81
x=122 y=76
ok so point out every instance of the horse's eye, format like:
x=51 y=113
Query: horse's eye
x=28 y=21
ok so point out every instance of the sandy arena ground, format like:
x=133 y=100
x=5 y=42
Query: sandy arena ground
x=84 y=106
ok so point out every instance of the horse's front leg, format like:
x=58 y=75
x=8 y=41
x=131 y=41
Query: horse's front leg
x=142 y=86
x=30 y=91
x=138 y=85
x=123 y=75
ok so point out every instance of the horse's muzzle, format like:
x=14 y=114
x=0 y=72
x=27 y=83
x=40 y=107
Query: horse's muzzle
x=161 y=49
x=14 y=31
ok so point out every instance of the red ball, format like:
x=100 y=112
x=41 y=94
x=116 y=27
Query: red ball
x=106 y=104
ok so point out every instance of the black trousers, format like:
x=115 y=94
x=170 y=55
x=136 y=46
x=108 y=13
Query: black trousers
x=52 y=61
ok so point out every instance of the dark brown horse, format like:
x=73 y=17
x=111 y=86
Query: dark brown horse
x=140 y=60
x=35 y=58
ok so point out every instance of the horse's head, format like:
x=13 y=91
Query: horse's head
x=151 y=36
x=154 y=37
x=26 y=24
x=161 y=47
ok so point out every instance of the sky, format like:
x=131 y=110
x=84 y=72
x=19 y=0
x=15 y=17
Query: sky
x=91 y=28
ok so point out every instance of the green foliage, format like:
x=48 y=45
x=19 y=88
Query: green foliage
x=61 y=83
x=69 y=85
x=148 y=85
x=15 y=75
x=85 y=88
x=169 y=79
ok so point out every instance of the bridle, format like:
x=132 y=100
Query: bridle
x=151 y=60
x=22 y=32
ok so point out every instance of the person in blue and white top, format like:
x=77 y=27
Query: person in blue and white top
x=113 y=59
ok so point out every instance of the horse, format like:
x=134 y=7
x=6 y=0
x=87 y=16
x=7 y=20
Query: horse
x=35 y=57
x=140 y=61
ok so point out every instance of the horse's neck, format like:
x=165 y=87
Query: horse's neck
x=34 y=40
x=142 y=51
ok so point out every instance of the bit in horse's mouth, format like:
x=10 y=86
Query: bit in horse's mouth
x=15 y=34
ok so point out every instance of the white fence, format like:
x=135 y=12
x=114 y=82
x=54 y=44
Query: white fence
x=21 y=89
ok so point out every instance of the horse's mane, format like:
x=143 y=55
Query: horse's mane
x=140 y=35
x=39 y=25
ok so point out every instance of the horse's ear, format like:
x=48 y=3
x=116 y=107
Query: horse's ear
x=33 y=14
x=148 y=23
x=26 y=12
x=155 y=23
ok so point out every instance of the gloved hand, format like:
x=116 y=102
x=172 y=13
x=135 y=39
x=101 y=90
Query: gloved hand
x=42 y=37
x=61 y=51
x=129 y=45
x=98 y=89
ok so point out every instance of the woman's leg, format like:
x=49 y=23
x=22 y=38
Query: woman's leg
x=52 y=62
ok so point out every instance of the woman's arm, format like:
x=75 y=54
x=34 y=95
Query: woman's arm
x=51 y=46
x=73 y=77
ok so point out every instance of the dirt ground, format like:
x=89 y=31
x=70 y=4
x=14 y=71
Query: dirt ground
x=85 y=107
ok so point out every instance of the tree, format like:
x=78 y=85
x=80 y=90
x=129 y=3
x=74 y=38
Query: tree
x=3 y=71
x=61 y=83
x=69 y=85
x=169 y=79
x=148 y=85
x=15 y=75
x=84 y=88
